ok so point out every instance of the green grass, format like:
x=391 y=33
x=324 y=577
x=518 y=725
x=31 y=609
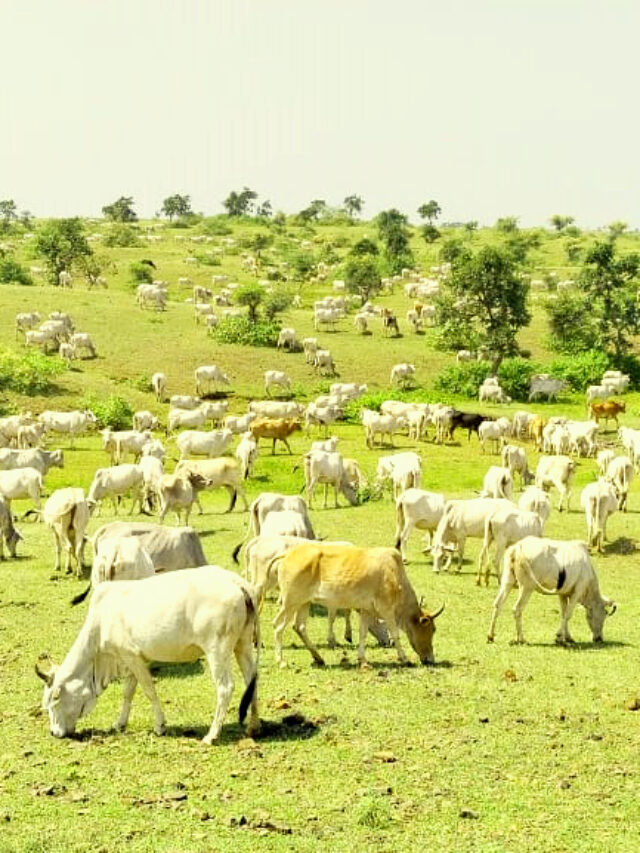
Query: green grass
x=497 y=748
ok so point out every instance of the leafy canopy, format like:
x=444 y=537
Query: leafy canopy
x=61 y=242
x=121 y=210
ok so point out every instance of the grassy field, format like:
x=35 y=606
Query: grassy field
x=496 y=748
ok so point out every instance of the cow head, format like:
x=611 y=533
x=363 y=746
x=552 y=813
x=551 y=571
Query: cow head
x=420 y=630
x=597 y=610
x=65 y=700
x=348 y=490
x=57 y=458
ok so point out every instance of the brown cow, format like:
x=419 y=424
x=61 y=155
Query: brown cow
x=370 y=580
x=536 y=427
x=278 y=429
x=609 y=410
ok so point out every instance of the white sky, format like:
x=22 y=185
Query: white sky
x=492 y=107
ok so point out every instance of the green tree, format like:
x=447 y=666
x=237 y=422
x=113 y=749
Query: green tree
x=471 y=226
x=240 y=203
x=617 y=229
x=560 y=223
x=573 y=250
x=353 y=205
x=364 y=247
x=394 y=233
x=176 y=205
x=430 y=210
x=275 y=303
x=452 y=249
x=315 y=210
x=265 y=210
x=11 y=272
x=121 y=210
x=610 y=283
x=251 y=296
x=8 y=213
x=260 y=242
x=430 y=233
x=61 y=242
x=572 y=326
x=507 y=224
x=362 y=276
x=483 y=302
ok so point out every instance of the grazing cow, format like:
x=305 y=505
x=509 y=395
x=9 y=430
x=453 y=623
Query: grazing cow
x=469 y=421
x=402 y=374
x=67 y=513
x=186 y=402
x=41 y=460
x=170 y=548
x=556 y=471
x=491 y=431
x=603 y=459
x=375 y=423
x=175 y=618
x=316 y=415
x=327 y=467
x=65 y=279
x=212 y=443
x=582 y=437
x=30 y=435
x=536 y=500
x=492 y=394
x=323 y=361
x=462 y=519
x=520 y=424
x=420 y=509
x=67 y=352
x=620 y=475
x=498 y=483
x=276 y=378
x=151 y=295
x=536 y=430
x=21 y=483
x=515 y=459
x=404 y=470
x=27 y=320
x=327 y=316
x=370 y=580
x=310 y=347
x=114 y=482
x=390 y=324
x=278 y=429
x=152 y=470
x=239 y=424
x=219 y=473
x=270 y=502
x=83 y=341
x=606 y=411
x=74 y=423
x=179 y=492
x=215 y=412
x=599 y=500
x=361 y=322
x=246 y=454
x=144 y=420
x=552 y=568
x=287 y=339
x=414 y=318
x=329 y=445
x=8 y=533
x=119 y=443
x=191 y=418
x=505 y=527
x=11 y=424
x=208 y=374
x=159 y=385
x=154 y=448
x=276 y=409
x=285 y=522
x=544 y=385
x=616 y=380
x=348 y=390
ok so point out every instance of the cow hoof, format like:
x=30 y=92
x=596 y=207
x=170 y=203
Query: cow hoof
x=516 y=642
x=364 y=665
x=208 y=740
x=160 y=730
x=318 y=662
x=489 y=639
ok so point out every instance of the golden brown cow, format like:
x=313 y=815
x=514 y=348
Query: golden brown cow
x=277 y=429
x=609 y=410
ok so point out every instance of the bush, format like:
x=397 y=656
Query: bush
x=121 y=236
x=114 y=412
x=216 y=226
x=241 y=330
x=629 y=364
x=30 y=373
x=464 y=379
x=581 y=370
x=140 y=273
x=210 y=259
x=12 y=272
x=514 y=375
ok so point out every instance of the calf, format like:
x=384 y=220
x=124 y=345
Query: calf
x=556 y=471
x=598 y=500
x=67 y=513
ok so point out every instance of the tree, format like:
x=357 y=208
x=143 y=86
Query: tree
x=617 y=229
x=260 y=242
x=483 y=302
x=430 y=233
x=265 y=210
x=560 y=222
x=430 y=210
x=176 y=205
x=121 y=210
x=572 y=326
x=364 y=247
x=362 y=276
x=393 y=231
x=353 y=204
x=61 y=242
x=471 y=226
x=8 y=213
x=240 y=203
x=507 y=224
x=611 y=285
x=275 y=303
x=250 y=295
x=314 y=210
x=573 y=250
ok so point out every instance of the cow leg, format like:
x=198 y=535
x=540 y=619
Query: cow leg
x=523 y=596
x=283 y=617
x=348 y=633
x=461 y=544
x=220 y=665
x=389 y=619
x=331 y=618
x=142 y=675
x=362 y=637
x=127 y=698
x=567 y=606
x=249 y=666
x=300 y=627
x=506 y=586
x=326 y=493
x=286 y=444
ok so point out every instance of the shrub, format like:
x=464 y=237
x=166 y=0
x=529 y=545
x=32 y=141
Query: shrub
x=121 y=236
x=140 y=273
x=514 y=375
x=629 y=364
x=276 y=302
x=12 y=272
x=30 y=373
x=209 y=259
x=241 y=330
x=464 y=379
x=581 y=370
x=216 y=226
x=113 y=412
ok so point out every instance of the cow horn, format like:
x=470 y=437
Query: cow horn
x=612 y=605
x=47 y=677
x=438 y=611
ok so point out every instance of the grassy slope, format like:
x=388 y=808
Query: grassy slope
x=535 y=740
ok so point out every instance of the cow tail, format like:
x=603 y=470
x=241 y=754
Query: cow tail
x=81 y=596
x=235 y=553
x=399 y=523
x=543 y=589
x=250 y=689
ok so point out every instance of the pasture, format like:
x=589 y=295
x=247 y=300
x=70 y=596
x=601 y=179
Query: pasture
x=495 y=748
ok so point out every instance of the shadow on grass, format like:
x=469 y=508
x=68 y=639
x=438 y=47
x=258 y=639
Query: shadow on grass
x=217 y=395
x=577 y=645
x=622 y=545
x=177 y=670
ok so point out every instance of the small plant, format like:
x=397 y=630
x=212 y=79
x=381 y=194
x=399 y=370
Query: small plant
x=241 y=330
x=373 y=812
x=11 y=272
x=464 y=379
x=114 y=412
x=121 y=236
x=140 y=273
x=30 y=373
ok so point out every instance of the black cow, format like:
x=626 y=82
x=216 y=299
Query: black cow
x=467 y=420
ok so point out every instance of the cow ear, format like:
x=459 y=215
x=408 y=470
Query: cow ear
x=56 y=693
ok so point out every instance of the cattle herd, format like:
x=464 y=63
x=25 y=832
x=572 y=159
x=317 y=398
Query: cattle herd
x=169 y=605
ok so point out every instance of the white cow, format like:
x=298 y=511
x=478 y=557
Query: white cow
x=505 y=527
x=191 y=418
x=276 y=379
x=239 y=424
x=378 y=424
x=184 y=401
x=71 y=423
x=114 y=482
x=83 y=341
x=287 y=339
x=556 y=471
x=493 y=431
x=544 y=385
x=404 y=470
x=67 y=513
x=515 y=459
x=270 y=502
x=498 y=483
x=327 y=467
x=144 y=420
x=552 y=568
x=174 y=618
x=599 y=500
x=462 y=519
x=323 y=361
x=207 y=375
x=276 y=409
x=221 y=473
x=213 y=443
x=310 y=347
x=420 y=509
x=159 y=385
x=247 y=453
x=620 y=475
x=402 y=374
x=19 y=483
x=536 y=500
